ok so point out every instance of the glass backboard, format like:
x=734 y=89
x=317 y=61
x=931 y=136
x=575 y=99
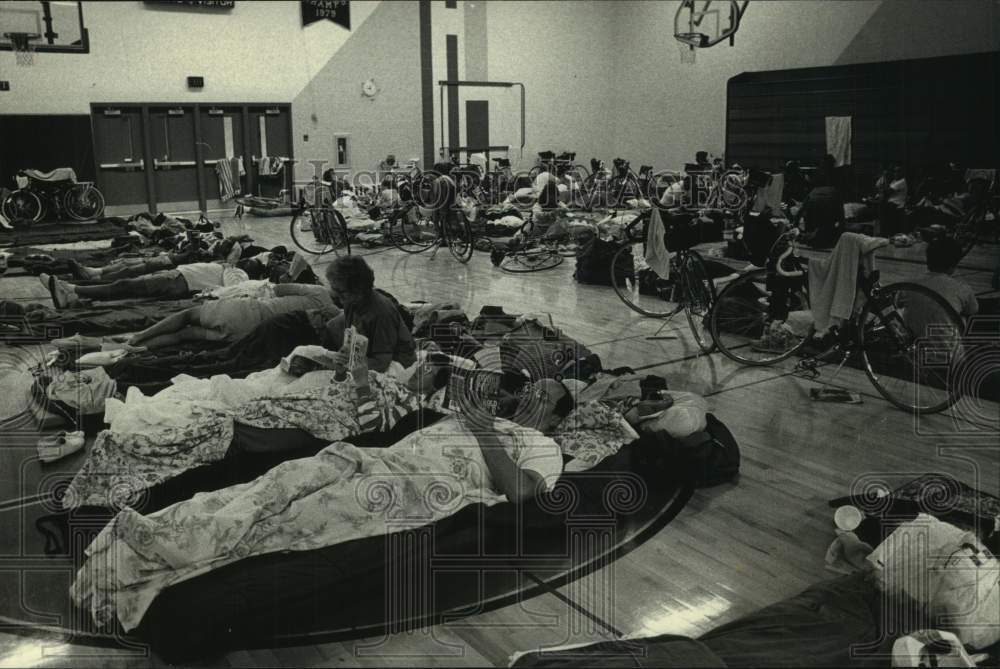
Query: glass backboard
x=58 y=24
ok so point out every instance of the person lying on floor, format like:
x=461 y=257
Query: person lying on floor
x=260 y=349
x=230 y=319
x=192 y=422
x=372 y=314
x=948 y=211
x=341 y=494
x=127 y=268
x=168 y=284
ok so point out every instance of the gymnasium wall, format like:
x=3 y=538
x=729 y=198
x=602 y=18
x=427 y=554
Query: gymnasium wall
x=254 y=52
x=561 y=51
x=666 y=110
x=385 y=48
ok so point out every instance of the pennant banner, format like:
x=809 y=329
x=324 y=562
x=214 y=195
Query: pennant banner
x=338 y=11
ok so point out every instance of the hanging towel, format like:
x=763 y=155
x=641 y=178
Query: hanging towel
x=229 y=172
x=270 y=165
x=224 y=170
x=657 y=256
x=770 y=195
x=833 y=281
x=838 y=139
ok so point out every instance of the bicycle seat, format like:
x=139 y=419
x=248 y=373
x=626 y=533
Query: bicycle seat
x=502 y=162
x=58 y=174
x=546 y=155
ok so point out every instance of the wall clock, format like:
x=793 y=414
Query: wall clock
x=369 y=89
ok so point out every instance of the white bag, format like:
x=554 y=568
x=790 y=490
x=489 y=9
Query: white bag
x=949 y=571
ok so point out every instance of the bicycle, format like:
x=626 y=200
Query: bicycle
x=317 y=227
x=55 y=192
x=689 y=289
x=908 y=336
x=414 y=229
x=543 y=242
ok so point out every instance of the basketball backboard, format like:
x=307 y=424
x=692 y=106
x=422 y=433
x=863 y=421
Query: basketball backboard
x=700 y=24
x=59 y=24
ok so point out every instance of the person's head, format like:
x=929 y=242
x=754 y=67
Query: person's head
x=544 y=405
x=701 y=157
x=350 y=279
x=943 y=255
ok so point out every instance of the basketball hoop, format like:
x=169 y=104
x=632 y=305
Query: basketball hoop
x=23 y=48
x=688 y=54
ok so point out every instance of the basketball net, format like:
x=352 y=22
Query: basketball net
x=688 y=54
x=23 y=50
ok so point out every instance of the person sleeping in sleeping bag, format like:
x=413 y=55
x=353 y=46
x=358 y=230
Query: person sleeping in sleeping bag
x=340 y=494
x=195 y=421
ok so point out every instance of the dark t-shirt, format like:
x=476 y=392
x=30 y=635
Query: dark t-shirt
x=378 y=319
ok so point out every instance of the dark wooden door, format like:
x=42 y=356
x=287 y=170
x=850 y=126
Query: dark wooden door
x=221 y=139
x=120 y=156
x=270 y=135
x=477 y=124
x=172 y=139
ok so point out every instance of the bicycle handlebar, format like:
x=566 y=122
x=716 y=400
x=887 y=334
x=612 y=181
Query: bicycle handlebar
x=792 y=235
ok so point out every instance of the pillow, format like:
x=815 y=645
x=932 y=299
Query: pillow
x=687 y=415
x=949 y=571
x=306 y=359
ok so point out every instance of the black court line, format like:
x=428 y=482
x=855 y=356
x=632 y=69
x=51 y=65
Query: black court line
x=576 y=607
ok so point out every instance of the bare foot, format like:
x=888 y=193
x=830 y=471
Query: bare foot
x=62 y=293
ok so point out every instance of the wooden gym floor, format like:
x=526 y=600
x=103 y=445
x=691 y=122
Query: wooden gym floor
x=732 y=550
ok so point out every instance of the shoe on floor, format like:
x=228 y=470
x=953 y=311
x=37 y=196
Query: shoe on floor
x=777 y=339
x=58 y=446
x=79 y=341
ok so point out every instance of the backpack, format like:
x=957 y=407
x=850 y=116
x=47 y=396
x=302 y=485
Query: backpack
x=594 y=266
x=711 y=456
x=546 y=353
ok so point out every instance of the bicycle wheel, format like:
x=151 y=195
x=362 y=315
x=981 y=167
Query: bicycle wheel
x=83 y=202
x=742 y=328
x=698 y=290
x=413 y=234
x=531 y=260
x=638 y=285
x=911 y=342
x=22 y=205
x=319 y=231
x=457 y=233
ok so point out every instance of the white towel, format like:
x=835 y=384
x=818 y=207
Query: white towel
x=833 y=281
x=838 y=139
x=657 y=256
x=770 y=195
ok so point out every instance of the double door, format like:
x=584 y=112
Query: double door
x=164 y=157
